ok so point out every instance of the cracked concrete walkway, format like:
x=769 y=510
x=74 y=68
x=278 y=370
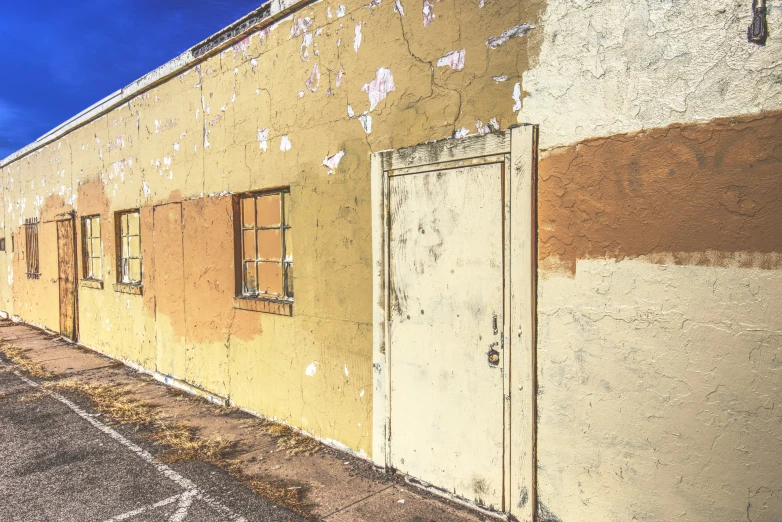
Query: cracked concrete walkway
x=336 y=486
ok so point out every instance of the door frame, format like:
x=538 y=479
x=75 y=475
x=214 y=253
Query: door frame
x=69 y=216
x=519 y=145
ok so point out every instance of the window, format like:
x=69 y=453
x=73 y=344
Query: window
x=93 y=264
x=128 y=248
x=31 y=248
x=265 y=256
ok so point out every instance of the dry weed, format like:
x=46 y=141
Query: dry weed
x=17 y=356
x=182 y=443
x=290 y=440
x=112 y=401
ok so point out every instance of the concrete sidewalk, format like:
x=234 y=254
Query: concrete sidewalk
x=330 y=484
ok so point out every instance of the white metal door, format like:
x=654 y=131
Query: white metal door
x=446 y=267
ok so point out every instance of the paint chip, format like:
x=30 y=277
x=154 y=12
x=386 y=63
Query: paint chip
x=454 y=60
x=357 y=39
x=519 y=30
x=399 y=9
x=332 y=161
x=350 y=111
x=346 y=371
x=379 y=88
x=341 y=11
x=263 y=135
x=366 y=122
x=314 y=79
x=311 y=369
x=517 y=97
x=285 y=143
x=428 y=12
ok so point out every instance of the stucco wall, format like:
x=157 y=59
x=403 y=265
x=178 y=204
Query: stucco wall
x=659 y=281
x=660 y=324
x=615 y=66
x=317 y=81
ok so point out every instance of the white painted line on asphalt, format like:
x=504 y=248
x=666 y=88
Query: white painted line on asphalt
x=184 y=506
x=131 y=514
x=142 y=453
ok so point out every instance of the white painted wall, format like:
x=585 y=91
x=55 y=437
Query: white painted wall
x=659 y=393
x=615 y=66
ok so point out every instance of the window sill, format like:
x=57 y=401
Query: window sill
x=92 y=283
x=128 y=288
x=260 y=304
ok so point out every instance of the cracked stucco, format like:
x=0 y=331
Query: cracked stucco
x=659 y=381
x=611 y=66
x=268 y=111
x=659 y=392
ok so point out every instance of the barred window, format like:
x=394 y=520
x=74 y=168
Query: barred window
x=31 y=248
x=265 y=251
x=128 y=247
x=92 y=248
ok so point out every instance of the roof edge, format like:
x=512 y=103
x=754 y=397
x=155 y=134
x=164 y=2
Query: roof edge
x=267 y=14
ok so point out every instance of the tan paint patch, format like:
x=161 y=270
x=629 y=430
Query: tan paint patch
x=702 y=194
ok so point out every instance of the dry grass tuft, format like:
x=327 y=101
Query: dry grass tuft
x=281 y=493
x=112 y=401
x=17 y=356
x=293 y=442
x=182 y=443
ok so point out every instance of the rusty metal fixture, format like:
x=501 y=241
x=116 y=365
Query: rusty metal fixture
x=757 y=32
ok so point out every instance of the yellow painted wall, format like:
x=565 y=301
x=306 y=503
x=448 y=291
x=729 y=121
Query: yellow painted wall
x=195 y=138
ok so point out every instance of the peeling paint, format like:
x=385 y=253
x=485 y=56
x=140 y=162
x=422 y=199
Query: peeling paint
x=516 y=31
x=366 y=122
x=517 y=97
x=311 y=369
x=332 y=161
x=357 y=38
x=454 y=60
x=428 y=12
x=285 y=143
x=314 y=79
x=263 y=135
x=379 y=88
x=398 y=8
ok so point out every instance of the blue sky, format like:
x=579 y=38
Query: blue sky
x=59 y=57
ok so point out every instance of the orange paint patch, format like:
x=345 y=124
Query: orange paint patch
x=706 y=194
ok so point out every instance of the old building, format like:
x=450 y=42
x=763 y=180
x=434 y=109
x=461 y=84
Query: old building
x=528 y=252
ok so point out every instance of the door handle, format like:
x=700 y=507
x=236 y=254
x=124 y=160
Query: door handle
x=493 y=355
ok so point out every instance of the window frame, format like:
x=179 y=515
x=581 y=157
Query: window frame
x=31 y=248
x=87 y=263
x=286 y=256
x=118 y=249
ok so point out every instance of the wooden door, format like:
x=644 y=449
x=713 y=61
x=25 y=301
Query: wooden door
x=453 y=248
x=66 y=266
x=446 y=324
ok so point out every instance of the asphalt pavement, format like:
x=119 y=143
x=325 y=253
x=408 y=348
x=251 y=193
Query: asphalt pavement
x=62 y=462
